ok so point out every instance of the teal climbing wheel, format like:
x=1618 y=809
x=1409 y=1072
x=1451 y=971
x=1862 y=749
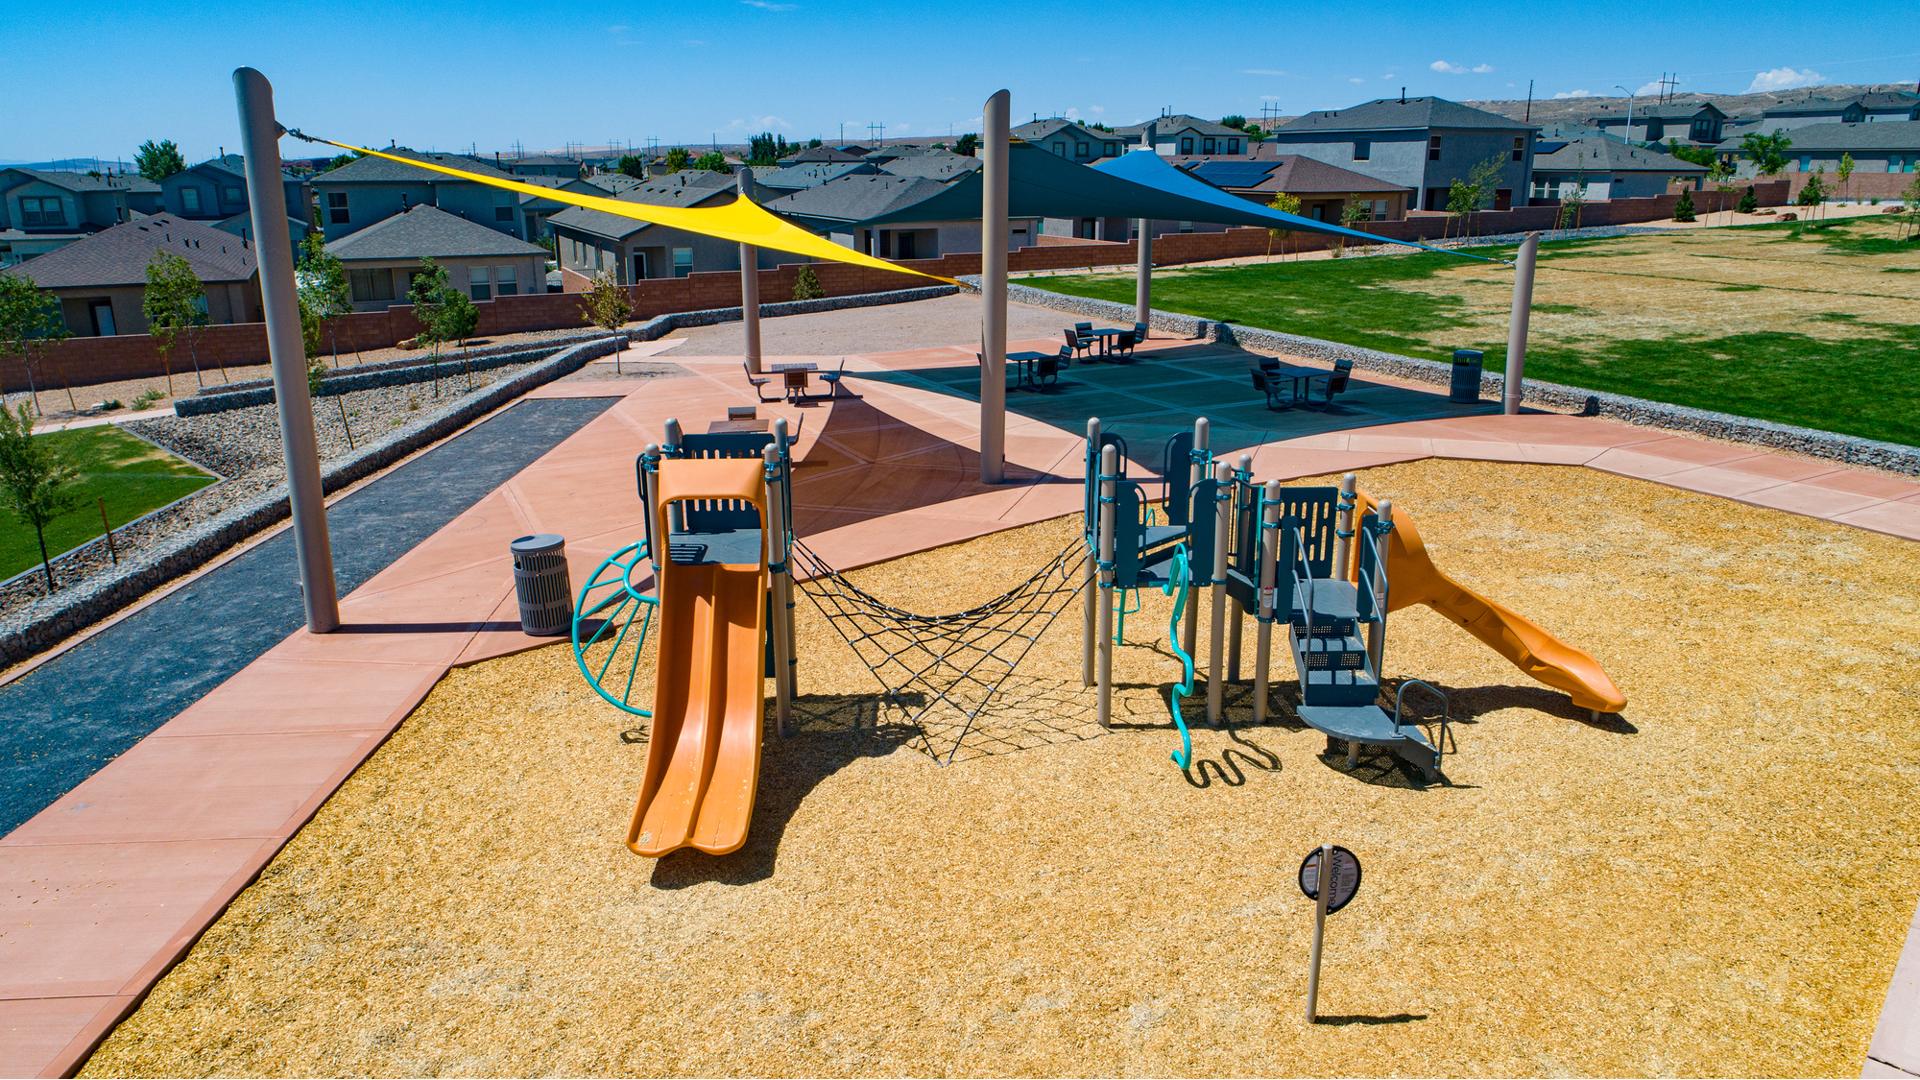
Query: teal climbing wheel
x=611 y=619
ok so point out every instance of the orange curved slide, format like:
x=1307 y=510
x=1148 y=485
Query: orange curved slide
x=703 y=754
x=1413 y=579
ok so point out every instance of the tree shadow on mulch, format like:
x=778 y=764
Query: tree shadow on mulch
x=828 y=733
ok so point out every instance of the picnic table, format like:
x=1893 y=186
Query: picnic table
x=1105 y=335
x=794 y=377
x=1025 y=363
x=1296 y=376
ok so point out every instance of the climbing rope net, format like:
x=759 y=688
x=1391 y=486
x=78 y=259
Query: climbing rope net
x=945 y=670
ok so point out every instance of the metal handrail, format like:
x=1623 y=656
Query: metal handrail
x=1301 y=562
x=1446 y=714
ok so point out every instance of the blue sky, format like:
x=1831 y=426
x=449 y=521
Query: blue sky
x=484 y=72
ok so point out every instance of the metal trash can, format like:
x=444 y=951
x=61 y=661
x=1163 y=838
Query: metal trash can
x=540 y=579
x=1466 y=376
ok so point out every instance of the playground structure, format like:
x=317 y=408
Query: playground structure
x=1329 y=563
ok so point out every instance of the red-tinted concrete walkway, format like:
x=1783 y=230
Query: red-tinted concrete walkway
x=107 y=888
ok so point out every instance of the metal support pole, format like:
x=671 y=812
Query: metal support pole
x=1143 y=276
x=785 y=445
x=280 y=305
x=1217 y=630
x=749 y=281
x=1377 y=629
x=1196 y=472
x=1322 y=894
x=1343 y=527
x=670 y=447
x=780 y=588
x=1089 y=582
x=1269 y=574
x=1517 y=327
x=1109 y=468
x=994 y=147
x=1236 y=624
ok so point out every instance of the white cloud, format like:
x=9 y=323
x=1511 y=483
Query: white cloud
x=1389 y=75
x=1448 y=67
x=1261 y=71
x=1574 y=94
x=1483 y=69
x=1785 y=78
x=1653 y=87
x=769 y=5
x=1097 y=110
x=1357 y=81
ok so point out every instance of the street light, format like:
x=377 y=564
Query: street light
x=1628 y=137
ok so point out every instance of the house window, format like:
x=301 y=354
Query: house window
x=1112 y=148
x=1433 y=148
x=506 y=281
x=1519 y=148
x=1186 y=144
x=1806 y=163
x=639 y=266
x=1233 y=146
x=231 y=194
x=1362 y=149
x=1379 y=210
x=1186 y=226
x=1079 y=149
x=337 y=208
x=1206 y=145
x=503 y=210
x=682 y=261
x=190 y=199
x=1060 y=147
x=42 y=210
x=479 y=283
x=370 y=284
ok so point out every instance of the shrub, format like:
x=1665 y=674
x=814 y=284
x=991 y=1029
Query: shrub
x=146 y=398
x=1749 y=202
x=806 y=284
x=1683 y=210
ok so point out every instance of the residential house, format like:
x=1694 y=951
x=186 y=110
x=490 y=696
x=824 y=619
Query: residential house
x=241 y=225
x=941 y=165
x=46 y=201
x=549 y=165
x=792 y=178
x=1070 y=139
x=382 y=259
x=216 y=189
x=1180 y=135
x=1598 y=168
x=839 y=207
x=101 y=279
x=1323 y=189
x=1884 y=146
x=536 y=210
x=593 y=242
x=818 y=155
x=1878 y=107
x=1423 y=143
x=1700 y=123
x=369 y=190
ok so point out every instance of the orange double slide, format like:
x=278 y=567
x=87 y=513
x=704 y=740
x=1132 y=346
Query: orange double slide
x=1413 y=579
x=703 y=754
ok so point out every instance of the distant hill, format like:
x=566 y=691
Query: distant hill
x=1574 y=112
x=88 y=164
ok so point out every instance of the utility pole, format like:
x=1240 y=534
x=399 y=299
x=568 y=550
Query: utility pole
x=1529 y=118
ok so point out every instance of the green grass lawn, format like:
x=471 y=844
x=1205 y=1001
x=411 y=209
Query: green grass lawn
x=1792 y=323
x=132 y=475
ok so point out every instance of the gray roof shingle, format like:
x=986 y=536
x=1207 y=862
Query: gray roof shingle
x=1899 y=135
x=83 y=183
x=1395 y=114
x=1291 y=173
x=943 y=166
x=689 y=187
x=856 y=198
x=428 y=231
x=378 y=170
x=1600 y=154
x=795 y=177
x=119 y=256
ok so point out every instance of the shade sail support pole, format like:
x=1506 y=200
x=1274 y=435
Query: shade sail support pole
x=749 y=282
x=286 y=349
x=1523 y=264
x=994 y=134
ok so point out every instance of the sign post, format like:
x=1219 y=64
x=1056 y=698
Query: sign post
x=1342 y=880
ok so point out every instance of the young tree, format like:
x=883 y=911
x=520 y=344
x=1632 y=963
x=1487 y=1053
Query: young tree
x=711 y=161
x=1482 y=179
x=1353 y=212
x=455 y=319
x=159 y=160
x=175 y=304
x=1573 y=203
x=425 y=292
x=1461 y=199
x=323 y=288
x=1844 y=174
x=677 y=159
x=1749 y=202
x=1814 y=194
x=1720 y=175
x=1768 y=152
x=1234 y=120
x=1683 y=209
x=29 y=322
x=806 y=284
x=632 y=165
x=36 y=483
x=607 y=306
x=1697 y=155
x=1287 y=203
x=1910 y=197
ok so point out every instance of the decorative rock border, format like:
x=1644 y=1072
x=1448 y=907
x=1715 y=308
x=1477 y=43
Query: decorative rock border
x=1850 y=449
x=90 y=601
x=390 y=373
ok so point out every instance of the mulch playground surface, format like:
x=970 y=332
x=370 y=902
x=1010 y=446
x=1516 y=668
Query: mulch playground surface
x=1715 y=883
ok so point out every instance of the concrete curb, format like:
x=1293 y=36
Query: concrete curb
x=1849 y=449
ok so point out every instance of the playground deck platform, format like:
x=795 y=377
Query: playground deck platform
x=111 y=885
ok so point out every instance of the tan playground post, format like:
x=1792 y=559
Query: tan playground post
x=995 y=133
x=1109 y=468
x=1196 y=472
x=1343 y=525
x=1089 y=582
x=781 y=587
x=1269 y=577
x=671 y=435
x=1217 y=631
